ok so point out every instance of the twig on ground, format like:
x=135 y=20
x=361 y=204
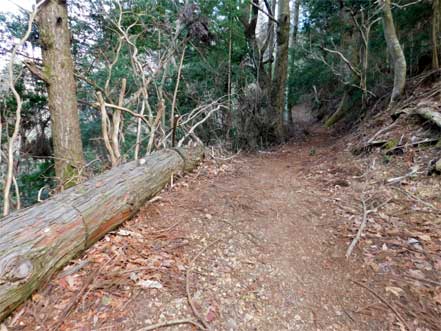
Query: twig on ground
x=387 y=304
x=166 y=229
x=354 y=242
x=171 y=323
x=187 y=285
x=383 y=130
x=428 y=281
x=76 y=299
x=73 y=269
x=396 y=180
x=414 y=197
x=366 y=213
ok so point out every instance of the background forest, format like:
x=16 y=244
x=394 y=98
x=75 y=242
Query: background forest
x=151 y=74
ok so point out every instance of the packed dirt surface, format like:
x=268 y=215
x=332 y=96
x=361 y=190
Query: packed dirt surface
x=248 y=243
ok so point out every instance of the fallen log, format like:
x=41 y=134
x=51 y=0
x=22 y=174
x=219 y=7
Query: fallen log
x=38 y=241
x=428 y=113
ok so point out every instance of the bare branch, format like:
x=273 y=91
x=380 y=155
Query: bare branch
x=345 y=60
x=13 y=138
x=269 y=15
x=37 y=72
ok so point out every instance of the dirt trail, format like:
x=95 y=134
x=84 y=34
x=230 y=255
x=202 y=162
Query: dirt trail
x=276 y=265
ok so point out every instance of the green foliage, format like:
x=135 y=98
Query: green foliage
x=331 y=24
x=155 y=24
x=38 y=176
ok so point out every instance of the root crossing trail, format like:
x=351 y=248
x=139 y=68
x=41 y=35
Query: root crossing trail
x=269 y=259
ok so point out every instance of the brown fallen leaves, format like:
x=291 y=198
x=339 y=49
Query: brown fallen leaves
x=94 y=291
x=402 y=242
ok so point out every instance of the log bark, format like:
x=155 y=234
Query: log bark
x=36 y=242
x=438 y=165
x=429 y=114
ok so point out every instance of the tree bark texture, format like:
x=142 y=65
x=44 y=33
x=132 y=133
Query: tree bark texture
x=281 y=69
x=428 y=113
x=340 y=112
x=295 y=22
x=395 y=50
x=36 y=242
x=58 y=71
x=292 y=45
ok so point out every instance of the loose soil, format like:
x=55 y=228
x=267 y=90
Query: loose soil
x=263 y=230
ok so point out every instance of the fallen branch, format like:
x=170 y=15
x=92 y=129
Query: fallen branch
x=171 y=323
x=363 y=224
x=354 y=242
x=191 y=131
x=73 y=303
x=427 y=112
x=383 y=130
x=415 y=198
x=387 y=304
x=413 y=171
x=187 y=285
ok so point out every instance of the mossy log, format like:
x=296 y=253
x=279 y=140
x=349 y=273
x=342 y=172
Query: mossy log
x=36 y=242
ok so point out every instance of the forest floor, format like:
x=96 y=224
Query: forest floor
x=256 y=242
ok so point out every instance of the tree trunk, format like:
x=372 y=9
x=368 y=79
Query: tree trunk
x=249 y=21
x=37 y=241
x=271 y=43
x=295 y=22
x=58 y=71
x=281 y=70
x=436 y=17
x=395 y=50
x=340 y=112
x=292 y=45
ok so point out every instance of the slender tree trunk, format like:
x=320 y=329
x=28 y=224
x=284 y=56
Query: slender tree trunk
x=229 y=117
x=295 y=22
x=340 y=112
x=249 y=21
x=271 y=42
x=395 y=50
x=293 y=42
x=436 y=16
x=178 y=80
x=58 y=70
x=281 y=69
